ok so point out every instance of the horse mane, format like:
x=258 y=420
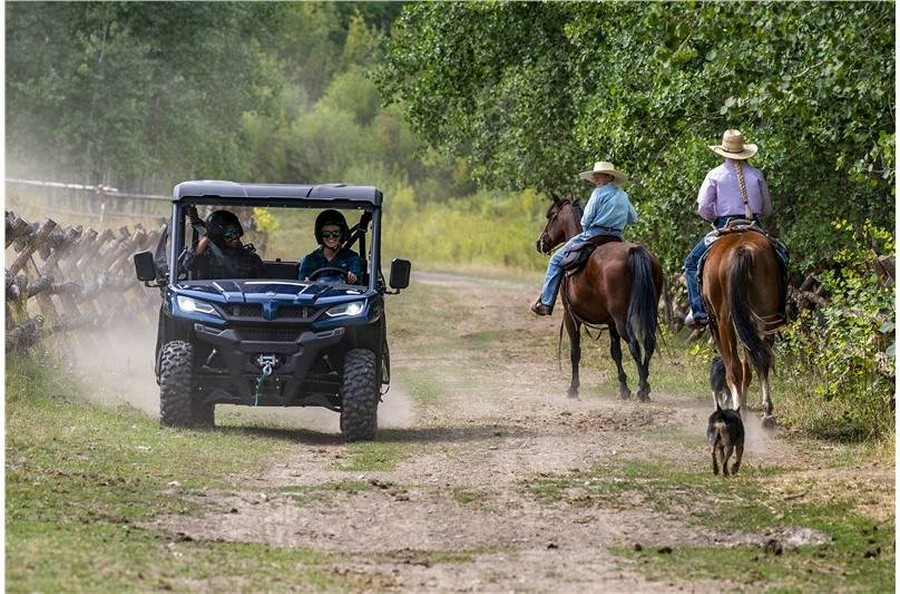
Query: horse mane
x=572 y=201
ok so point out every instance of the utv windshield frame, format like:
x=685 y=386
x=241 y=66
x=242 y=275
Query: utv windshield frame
x=225 y=194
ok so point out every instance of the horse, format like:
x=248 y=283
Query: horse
x=619 y=288
x=742 y=285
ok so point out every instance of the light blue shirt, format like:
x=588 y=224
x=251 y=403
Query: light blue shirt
x=607 y=212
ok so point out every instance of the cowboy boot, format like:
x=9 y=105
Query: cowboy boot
x=541 y=309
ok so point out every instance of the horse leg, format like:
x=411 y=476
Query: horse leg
x=643 y=393
x=746 y=376
x=573 y=328
x=726 y=342
x=615 y=351
x=768 y=420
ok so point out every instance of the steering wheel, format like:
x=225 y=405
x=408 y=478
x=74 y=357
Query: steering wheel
x=329 y=271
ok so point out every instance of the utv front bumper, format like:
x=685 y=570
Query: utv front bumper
x=268 y=366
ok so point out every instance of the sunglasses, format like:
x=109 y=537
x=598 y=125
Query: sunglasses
x=231 y=233
x=335 y=234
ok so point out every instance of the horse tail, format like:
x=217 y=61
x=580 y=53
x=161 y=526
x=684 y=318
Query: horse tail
x=642 y=315
x=739 y=283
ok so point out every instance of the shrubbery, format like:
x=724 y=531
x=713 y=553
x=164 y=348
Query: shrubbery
x=840 y=358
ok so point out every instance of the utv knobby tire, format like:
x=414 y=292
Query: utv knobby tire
x=359 y=396
x=176 y=387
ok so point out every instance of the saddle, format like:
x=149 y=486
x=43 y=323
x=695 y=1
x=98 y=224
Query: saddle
x=743 y=226
x=578 y=254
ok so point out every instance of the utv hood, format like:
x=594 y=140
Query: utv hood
x=284 y=292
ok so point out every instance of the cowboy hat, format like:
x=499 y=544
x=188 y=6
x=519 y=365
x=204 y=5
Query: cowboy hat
x=604 y=167
x=733 y=146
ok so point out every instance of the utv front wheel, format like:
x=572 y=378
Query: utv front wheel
x=176 y=385
x=359 y=396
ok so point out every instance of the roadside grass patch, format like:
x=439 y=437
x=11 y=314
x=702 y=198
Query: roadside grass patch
x=860 y=556
x=477 y=499
x=423 y=389
x=375 y=456
x=81 y=478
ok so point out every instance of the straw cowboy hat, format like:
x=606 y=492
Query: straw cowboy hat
x=733 y=146
x=604 y=167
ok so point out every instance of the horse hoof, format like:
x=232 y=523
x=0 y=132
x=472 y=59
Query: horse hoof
x=643 y=395
x=768 y=422
x=624 y=395
x=573 y=394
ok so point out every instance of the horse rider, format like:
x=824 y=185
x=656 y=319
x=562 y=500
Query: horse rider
x=608 y=211
x=733 y=190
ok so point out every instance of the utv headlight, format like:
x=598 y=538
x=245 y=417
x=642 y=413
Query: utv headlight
x=188 y=305
x=353 y=308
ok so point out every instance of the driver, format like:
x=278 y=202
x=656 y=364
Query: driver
x=331 y=233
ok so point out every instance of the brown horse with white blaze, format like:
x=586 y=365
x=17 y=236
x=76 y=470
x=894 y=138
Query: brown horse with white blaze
x=742 y=289
x=618 y=288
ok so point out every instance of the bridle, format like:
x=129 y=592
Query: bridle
x=542 y=246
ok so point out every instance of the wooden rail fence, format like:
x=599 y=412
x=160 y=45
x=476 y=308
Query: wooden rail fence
x=61 y=279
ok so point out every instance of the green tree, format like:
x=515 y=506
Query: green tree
x=531 y=92
x=116 y=92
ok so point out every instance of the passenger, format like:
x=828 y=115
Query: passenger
x=220 y=253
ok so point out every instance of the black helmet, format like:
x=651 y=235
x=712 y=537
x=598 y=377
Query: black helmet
x=221 y=223
x=331 y=217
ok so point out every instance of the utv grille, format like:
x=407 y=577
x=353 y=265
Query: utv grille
x=294 y=312
x=283 y=312
x=270 y=334
x=245 y=310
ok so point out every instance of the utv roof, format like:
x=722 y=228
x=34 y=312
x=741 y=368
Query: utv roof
x=217 y=191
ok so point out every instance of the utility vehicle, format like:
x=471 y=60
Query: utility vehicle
x=276 y=340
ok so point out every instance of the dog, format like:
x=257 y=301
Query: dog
x=725 y=430
x=717 y=381
x=725 y=434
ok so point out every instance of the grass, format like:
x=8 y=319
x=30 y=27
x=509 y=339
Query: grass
x=81 y=479
x=860 y=557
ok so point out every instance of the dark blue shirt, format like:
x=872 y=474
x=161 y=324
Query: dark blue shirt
x=346 y=260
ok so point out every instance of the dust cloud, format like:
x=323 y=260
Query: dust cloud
x=115 y=367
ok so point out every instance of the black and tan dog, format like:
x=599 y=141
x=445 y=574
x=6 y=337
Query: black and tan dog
x=725 y=431
x=717 y=381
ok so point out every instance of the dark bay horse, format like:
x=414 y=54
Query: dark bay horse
x=619 y=288
x=742 y=287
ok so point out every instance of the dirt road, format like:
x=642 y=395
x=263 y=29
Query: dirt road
x=476 y=419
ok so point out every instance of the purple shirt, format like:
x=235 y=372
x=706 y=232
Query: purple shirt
x=720 y=193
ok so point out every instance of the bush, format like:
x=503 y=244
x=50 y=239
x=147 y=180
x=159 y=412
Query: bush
x=840 y=358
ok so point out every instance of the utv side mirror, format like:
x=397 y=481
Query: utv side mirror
x=400 y=273
x=145 y=267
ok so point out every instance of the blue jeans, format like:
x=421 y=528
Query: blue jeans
x=554 y=272
x=693 y=280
